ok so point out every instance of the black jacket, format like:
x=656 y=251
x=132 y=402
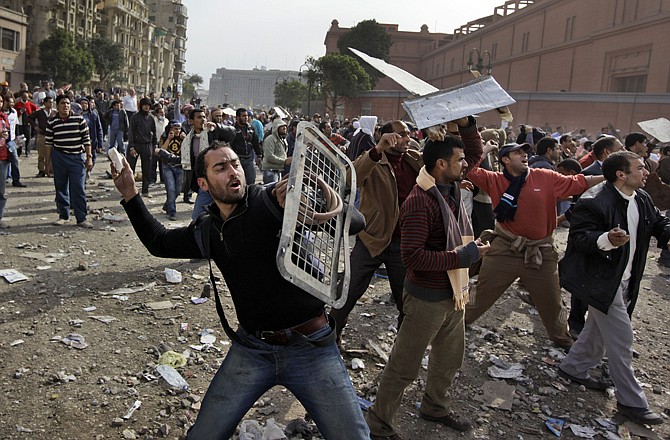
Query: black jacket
x=142 y=130
x=246 y=257
x=245 y=142
x=594 y=275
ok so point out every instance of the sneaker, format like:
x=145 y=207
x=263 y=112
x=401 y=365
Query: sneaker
x=189 y=201
x=642 y=416
x=85 y=224
x=61 y=222
x=589 y=382
x=451 y=420
x=4 y=225
x=172 y=217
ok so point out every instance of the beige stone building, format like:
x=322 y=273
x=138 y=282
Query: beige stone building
x=152 y=33
x=567 y=62
x=13 y=27
x=78 y=17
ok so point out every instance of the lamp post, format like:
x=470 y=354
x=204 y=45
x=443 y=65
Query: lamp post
x=309 y=86
x=480 y=62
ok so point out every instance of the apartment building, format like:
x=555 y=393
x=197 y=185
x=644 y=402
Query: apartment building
x=13 y=28
x=78 y=17
x=567 y=62
x=152 y=33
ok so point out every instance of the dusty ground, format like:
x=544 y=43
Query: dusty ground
x=52 y=391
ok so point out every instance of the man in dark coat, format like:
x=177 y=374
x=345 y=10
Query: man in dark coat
x=604 y=261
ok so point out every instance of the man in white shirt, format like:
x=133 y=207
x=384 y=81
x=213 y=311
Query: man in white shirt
x=130 y=103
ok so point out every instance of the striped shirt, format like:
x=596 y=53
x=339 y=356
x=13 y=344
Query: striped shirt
x=67 y=135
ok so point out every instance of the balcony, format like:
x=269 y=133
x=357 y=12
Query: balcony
x=80 y=31
x=98 y=16
x=81 y=9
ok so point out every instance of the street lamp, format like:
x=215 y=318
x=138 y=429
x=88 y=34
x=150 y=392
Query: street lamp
x=480 y=62
x=309 y=86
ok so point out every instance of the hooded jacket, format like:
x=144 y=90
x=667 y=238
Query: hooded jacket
x=142 y=130
x=274 y=149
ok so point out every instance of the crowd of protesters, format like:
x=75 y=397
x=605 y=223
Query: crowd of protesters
x=440 y=205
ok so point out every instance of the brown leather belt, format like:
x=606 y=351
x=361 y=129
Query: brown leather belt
x=282 y=337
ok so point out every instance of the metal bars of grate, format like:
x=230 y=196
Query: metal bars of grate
x=314 y=246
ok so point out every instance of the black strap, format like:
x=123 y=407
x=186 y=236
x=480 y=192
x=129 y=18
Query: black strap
x=202 y=228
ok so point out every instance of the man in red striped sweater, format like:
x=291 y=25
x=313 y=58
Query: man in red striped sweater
x=437 y=248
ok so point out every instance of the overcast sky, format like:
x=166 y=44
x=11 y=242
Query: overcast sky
x=244 y=35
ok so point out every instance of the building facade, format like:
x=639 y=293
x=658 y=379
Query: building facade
x=78 y=17
x=152 y=34
x=246 y=88
x=13 y=29
x=567 y=62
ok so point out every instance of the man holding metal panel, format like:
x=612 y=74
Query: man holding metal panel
x=284 y=337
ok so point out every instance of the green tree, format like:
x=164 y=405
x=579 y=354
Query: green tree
x=290 y=94
x=108 y=58
x=340 y=76
x=66 y=60
x=190 y=83
x=370 y=37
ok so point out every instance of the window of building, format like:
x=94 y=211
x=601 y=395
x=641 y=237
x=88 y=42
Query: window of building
x=494 y=51
x=524 y=42
x=10 y=40
x=366 y=109
x=629 y=84
x=170 y=19
x=569 y=27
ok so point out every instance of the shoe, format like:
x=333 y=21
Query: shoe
x=458 y=423
x=4 y=225
x=41 y=174
x=19 y=184
x=574 y=333
x=85 y=224
x=188 y=201
x=172 y=217
x=385 y=437
x=61 y=222
x=589 y=382
x=643 y=416
x=147 y=196
x=565 y=347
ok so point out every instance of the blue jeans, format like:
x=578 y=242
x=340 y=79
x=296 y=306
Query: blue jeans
x=69 y=176
x=203 y=199
x=270 y=176
x=4 y=164
x=172 y=178
x=315 y=375
x=116 y=140
x=14 y=163
x=249 y=167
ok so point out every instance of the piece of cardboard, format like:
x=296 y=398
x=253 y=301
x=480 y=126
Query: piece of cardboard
x=658 y=128
x=407 y=80
x=477 y=96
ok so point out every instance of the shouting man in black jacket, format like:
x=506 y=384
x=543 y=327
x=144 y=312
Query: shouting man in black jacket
x=284 y=337
x=603 y=265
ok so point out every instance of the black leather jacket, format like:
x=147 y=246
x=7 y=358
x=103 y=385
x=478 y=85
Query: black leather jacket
x=593 y=275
